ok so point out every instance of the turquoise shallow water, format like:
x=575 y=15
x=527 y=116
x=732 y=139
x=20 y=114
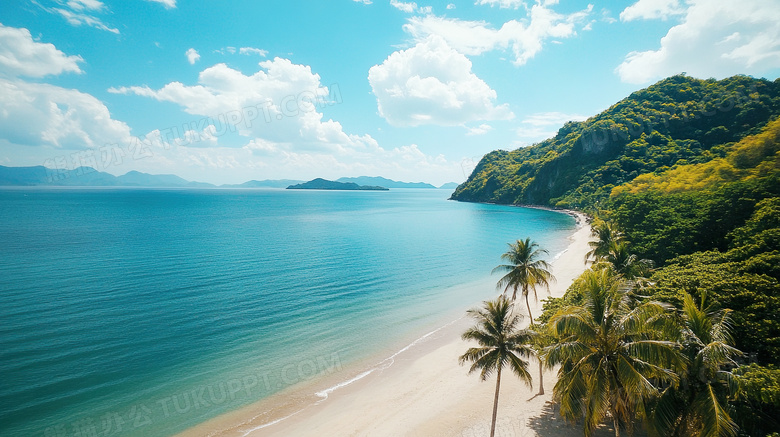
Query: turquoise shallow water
x=144 y=312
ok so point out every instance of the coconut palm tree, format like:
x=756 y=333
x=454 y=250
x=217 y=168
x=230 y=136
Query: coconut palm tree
x=542 y=340
x=525 y=270
x=624 y=262
x=501 y=344
x=610 y=352
x=697 y=406
x=606 y=234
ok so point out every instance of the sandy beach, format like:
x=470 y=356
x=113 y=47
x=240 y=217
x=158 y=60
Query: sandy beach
x=424 y=392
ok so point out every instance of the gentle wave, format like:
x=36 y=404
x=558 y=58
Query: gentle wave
x=381 y=366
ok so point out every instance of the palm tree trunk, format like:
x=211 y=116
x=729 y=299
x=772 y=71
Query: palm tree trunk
x=617 y=426
x=495 y=404
x=527 y=305
x=541 y=377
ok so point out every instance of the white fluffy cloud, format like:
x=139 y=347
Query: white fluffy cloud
x=21 y=56
x=431 y=83
x=650 y=9
x=467 y=37
x=410 y=7
x=263 y=159
x=404 y=6
x=192 y=56
x=277 y=110
x=279 y=103
x=482 y=129
x=543 y=125
x=36 y=114
x=525 y=38
x=401 y=163
x=41 y=114
x=714 y=39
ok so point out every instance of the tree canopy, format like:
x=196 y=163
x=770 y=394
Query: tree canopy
x=677 y=121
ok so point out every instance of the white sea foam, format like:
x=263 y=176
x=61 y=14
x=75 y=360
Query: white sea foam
x=265 y=425
x=324 y=393
x=382 y=365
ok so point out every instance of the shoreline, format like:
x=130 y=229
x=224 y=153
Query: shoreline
x=418 y=390
x=579 y=217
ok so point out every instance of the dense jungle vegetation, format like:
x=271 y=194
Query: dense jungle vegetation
x=687 y=173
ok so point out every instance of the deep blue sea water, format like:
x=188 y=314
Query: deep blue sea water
x=144 y=312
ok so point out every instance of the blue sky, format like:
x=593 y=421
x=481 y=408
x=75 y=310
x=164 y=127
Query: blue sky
x=229 y=91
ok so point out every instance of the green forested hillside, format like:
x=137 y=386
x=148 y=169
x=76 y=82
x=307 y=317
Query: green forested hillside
x=696 y=207
x=677 y=121
x=687 y=174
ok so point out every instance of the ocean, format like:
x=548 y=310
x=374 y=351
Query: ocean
x=143 y=312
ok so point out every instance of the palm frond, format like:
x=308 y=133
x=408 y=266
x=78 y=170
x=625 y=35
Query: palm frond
x=524 y=269
x=598 y=402
x=715 y=421
x=632 y=379
x=520 y=369
x=500 y=341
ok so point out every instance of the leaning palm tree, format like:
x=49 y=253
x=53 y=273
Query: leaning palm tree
x=525 y=270
x=501 y=344
x=697 y=406
x=606 y=234
x=610 y=352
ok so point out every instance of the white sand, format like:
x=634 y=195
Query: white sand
x=425 y=392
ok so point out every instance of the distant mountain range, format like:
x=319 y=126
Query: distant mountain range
x=383 y=182
x=266 y=183
x=89 y=177
x=323 y=184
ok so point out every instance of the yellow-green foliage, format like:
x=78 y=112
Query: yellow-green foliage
x=753 y=156
x=677 y=121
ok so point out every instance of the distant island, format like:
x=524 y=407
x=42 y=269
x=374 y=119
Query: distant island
x=324 y=184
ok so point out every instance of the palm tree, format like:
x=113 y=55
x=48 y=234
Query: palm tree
x=543 y=339
x=524 y=270
x=623 y=262
x=606 y=234
x=501 y=344
x=610 y=351
x=696 y=407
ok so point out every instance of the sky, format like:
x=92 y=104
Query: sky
x=235 y=90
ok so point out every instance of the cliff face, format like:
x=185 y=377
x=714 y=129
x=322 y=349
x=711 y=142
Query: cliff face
x=677 y=121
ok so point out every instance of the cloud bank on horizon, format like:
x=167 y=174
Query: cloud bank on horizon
x=405 y=90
